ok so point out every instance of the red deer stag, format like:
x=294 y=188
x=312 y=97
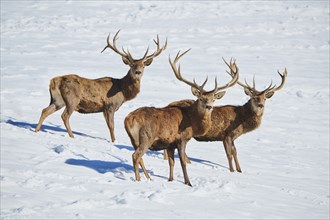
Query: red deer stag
x=172 y=127
x=229 y=122
x=98 y=95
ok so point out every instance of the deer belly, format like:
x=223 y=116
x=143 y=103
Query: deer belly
x=160 y=145
x=89 y=107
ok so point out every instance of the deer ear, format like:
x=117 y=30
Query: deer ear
x=148 y=62
x=269 y=94
x=219 y=95
x=126 y=61
x=195 y=92
x=248 y=92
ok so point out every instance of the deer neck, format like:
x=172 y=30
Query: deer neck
x=200 y=121
x=252 y=120
x=130 y=86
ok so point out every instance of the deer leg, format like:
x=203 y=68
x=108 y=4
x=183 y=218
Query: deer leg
x=186 y=158
x=170 y=153
x=234 y=152
x=137 y=157
x=109 y=118
x=45 y=113
x=165 y=155
x=65 y=117
x=144 y=169
x=181 y=150
x=227 y=144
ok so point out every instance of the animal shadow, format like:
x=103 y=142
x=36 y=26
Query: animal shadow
x=153 y=153
x=101 y=166
x=45 y=128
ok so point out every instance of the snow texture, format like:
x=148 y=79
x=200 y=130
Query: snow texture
x=285 y=162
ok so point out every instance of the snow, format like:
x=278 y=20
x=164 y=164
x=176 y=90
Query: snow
x=285 y=162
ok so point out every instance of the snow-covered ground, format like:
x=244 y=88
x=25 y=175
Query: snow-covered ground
x=285 y=162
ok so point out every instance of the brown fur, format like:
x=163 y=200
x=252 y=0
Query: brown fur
x=172 y=127
x=230 y=122
x=90 y=96
x=165 y=128
x=97 y=95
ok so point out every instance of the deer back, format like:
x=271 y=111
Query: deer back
x=156 y=124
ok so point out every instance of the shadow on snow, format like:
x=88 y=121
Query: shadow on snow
x=192 y=159
x=101 y=166
x=45 y=128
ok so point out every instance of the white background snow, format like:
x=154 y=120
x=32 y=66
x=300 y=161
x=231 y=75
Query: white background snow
x=285 y=162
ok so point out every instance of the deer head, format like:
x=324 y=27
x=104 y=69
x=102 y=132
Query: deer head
x=258 y=98
x=205 y=99
x=136 y=65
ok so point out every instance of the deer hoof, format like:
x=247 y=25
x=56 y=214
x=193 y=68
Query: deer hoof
x=188 y=183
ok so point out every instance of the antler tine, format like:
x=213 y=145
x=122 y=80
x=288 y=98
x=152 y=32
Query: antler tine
x=128 y=54
x=115 y=49
x=107 y=44
x=158 y=50
x=216 y=86
x=145 y=54
x=234 y=73
x=270 y=87
x=177 y=72
x=246 y=85
x=201 y=88
x=283 y=77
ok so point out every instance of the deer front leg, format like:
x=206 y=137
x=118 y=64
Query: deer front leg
x=181 y=150
x=228 y=147
x=170 y=153
x=165 y=155
x=234 y=152
x=109 y=118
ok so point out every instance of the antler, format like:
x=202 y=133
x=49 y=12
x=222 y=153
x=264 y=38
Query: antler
x=178 y=75
x=283 y=77
x=125 y=54
x=157 y=52
x=234 y=73
x=270 y=88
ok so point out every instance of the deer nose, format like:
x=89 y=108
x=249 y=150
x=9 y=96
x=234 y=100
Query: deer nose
x=260 y=105
x=138 y=72
x=208 y=107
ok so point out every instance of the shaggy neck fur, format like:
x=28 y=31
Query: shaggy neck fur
x=201 y=122
x=252 y=120
x=130 y=87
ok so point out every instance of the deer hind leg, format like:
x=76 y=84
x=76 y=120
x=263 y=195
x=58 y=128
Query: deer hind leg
x=170 y=153
x=109 y=118
x=186 y=157
x=137 y=160
x=144 y=169
x=65 y=117
x=228 y=148
x=234 y=152
x=46 y=112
